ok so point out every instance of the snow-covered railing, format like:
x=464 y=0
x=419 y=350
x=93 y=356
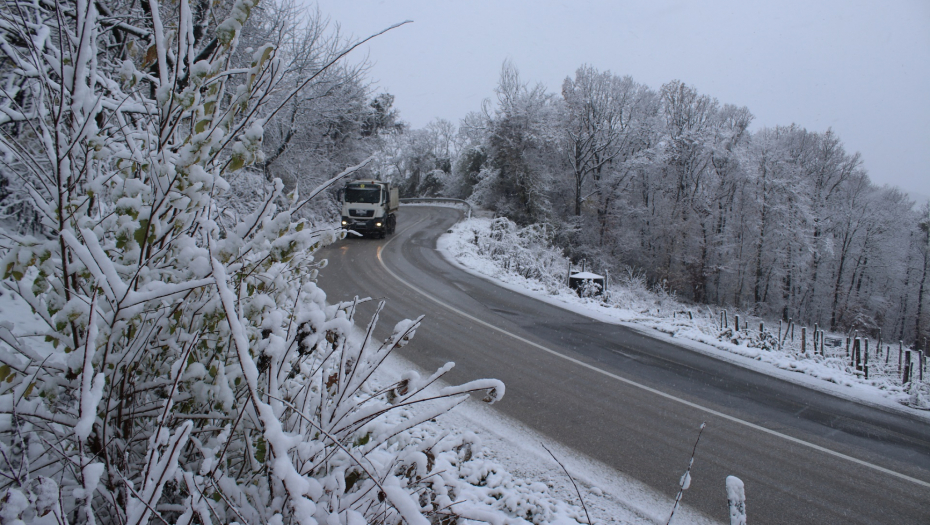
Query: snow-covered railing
x=414 y=200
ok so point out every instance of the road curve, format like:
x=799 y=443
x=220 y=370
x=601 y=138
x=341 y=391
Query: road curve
x=635 y=403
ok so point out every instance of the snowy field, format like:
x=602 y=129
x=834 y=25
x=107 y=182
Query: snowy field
x=515 y=260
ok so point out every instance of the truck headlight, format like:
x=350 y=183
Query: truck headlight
x=378 y=224
x=345 y=223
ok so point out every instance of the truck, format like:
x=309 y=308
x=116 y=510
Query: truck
x=369 y=207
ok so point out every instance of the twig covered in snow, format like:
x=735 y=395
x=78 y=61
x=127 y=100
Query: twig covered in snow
x=578 y=492
x=685 y=482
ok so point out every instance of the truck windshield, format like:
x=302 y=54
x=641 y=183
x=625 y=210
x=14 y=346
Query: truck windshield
x=370 y=195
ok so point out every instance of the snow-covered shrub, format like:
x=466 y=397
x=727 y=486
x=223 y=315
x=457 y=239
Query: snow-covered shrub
x=589 y=288
x=918 y=395
x=524 y=251
x=191 y=370
x=750 y=338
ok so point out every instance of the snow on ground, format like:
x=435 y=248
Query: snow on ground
x=468 y=245
x=609 y=496
x=510 y=457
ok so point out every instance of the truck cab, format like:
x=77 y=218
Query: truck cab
x=369 y=206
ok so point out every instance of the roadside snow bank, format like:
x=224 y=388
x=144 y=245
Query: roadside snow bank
x=520 y=260
x=510 y=465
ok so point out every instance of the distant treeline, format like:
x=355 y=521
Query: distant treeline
x=781 y=221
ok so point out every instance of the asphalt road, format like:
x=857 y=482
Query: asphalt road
x=634 y=402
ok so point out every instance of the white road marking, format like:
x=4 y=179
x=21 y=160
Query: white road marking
x=644 y=387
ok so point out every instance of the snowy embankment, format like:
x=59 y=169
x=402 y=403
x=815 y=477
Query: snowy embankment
x=499 y=469
x=519 y=260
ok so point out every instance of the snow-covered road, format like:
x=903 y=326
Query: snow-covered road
x=634 y=402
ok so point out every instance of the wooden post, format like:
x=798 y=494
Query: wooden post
x=922 y=360
x=779 y=334
x=726 y=320
x=866 y=360
x=690 y=316
x=736 y=322
x=804 y=340
x=791 y=324
x=857 y=354
x=919 y=376
x=847 y=347
x=900 y=347
x=887 y=355
x=568 y=280
x=761 y=328
x=879 y=347
x=907 y=368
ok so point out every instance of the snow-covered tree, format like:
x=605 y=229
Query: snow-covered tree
x=782 y=221
x=521 y=160
x=191 y=370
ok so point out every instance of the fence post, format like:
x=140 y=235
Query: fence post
x=804 y=340
x=907 y=368
x=900 y=347
x=878 y=348
x=761 y=328
x=736 y=323
x=866 y=363
x=924 y=353
x=857 y=353
x=923 y=361
x=736 y=500
x=791 y=324
x=779 y=334
x=847 y=347
x=920 y=364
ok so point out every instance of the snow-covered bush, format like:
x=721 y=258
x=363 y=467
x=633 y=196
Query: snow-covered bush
x=750 y=338
x=525 y=251
x=191 y=370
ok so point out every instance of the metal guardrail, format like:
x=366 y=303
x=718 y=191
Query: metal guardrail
x=414 y=200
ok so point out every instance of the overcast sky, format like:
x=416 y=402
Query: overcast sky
x=862 y=68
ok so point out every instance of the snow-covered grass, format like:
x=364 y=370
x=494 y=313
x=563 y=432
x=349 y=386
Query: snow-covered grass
x=520 y=260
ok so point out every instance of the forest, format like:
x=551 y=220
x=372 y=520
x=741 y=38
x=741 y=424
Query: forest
x=781 y=222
